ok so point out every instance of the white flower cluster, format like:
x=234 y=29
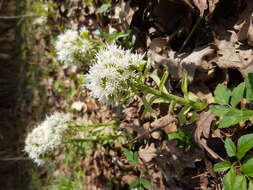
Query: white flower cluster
x=71 y=48
x=110 y=79
x=47 y=136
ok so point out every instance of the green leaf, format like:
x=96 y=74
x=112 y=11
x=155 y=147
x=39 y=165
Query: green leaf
x=250 y=184
x=237 y=94
x=245 y=143
x=232 y=181
x=235 y=116
x=181 y=135
x=241 y=183
x=162 y=82
x=222 y=95
x=193 y=97
x=89 y=2
x=222 y=166
x=249 y=87
x=247 y=167
x=183 y=113
x=220 y=110
x=148 y=106
x=184 y=85
x=145 y=183
x=131 y=156
x=104 y=8
x=155 y=77
x=229 y=180
x=135 y=183
x=230 y=147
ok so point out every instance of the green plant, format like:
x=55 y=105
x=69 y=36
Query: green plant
x=132 y=157
x=140 y=184
x=190 y=102
x=228 y=101
x=239 y=174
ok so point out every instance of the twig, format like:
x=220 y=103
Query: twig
x=151 y=131
x=189 y=36
x=200 y=175
x=14 y=159
x=18 y=16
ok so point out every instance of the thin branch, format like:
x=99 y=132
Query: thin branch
x=18 y=16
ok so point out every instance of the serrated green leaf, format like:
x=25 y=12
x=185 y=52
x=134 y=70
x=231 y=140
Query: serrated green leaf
x=220 y=110
x=131 y=156
x=245 y=143
x=222 y=95
x=222 y=166
x=247 y=167
x=249 y=87
x=237 y=94
x=145 y=183
x=235 y=116
x=230 y=147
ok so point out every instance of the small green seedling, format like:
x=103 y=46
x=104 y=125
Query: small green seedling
x=228 y=101
x=132 y=157
x=239 y=174
x=140 y=184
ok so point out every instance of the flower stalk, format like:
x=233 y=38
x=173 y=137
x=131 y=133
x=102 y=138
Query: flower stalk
x=170 y=97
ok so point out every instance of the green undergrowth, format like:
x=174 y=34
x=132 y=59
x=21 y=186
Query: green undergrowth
x=47 y=84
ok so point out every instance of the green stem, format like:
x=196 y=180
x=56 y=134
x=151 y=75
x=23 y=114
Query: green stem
x=171 y=97
x=95 y=138
x=190 y=35
x=98 y=125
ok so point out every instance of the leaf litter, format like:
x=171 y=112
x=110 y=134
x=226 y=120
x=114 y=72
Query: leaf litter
x=163 y=27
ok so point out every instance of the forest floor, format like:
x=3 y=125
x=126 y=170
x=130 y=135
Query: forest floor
x=210 y=40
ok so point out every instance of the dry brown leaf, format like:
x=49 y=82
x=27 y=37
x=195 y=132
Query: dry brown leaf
x=232 y=54
x=201 y=90
x=202 y=132
x=156 y=135
x=148 y=153
x=244 y=23
x=212 y=5
x=201 y=5
x=78 y=105
x=190 y=62
x=163 y=121
x=126 y=13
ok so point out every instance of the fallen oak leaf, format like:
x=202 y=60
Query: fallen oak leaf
x=202 y=133
x=148 y=153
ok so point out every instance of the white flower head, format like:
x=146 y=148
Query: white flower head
x=71 y=48
x=110 y=79
x=47 y=136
